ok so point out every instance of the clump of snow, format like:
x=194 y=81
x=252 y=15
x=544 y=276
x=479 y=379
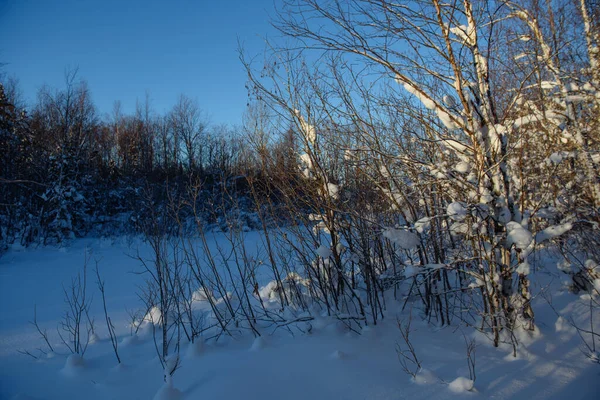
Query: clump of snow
x=306 y=160
x=518 y=235
x=523 y=268
x=202 y=295
x=269 y=291
x=403 y=238
x=461 y=385
x=423 y=225
x=504 y=215
x=459 y=228
x=410 y=271
x=154 y=316
x=463 y=167
x=308 y=130
x=449 y=101
x=597 y=285
x=457 y=210
x=426 y=100
x=446 y=119
x=485 y=197
x=333 y=190
x=324 y=251
x=553 y=231
x=557 y=157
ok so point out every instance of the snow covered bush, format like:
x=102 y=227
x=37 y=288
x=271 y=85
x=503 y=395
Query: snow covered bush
x=480 y=147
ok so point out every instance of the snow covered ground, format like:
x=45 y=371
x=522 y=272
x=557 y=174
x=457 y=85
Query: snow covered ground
x=328 y=363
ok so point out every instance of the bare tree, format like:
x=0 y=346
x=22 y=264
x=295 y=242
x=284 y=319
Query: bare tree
x=189 y=126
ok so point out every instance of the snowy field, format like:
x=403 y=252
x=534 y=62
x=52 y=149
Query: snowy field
x=330 y=362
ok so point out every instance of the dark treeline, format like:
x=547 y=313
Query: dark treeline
x=66 y=171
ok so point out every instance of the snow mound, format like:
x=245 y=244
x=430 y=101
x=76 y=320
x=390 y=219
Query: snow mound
x=368 y=332
x=337 y=355
x=425 y=377
x=258 y=344
x=94 y=338
x=132 y=340
x=168 y=392
x=320 y=323
x=195 y=349
x=119 y=368
x=461 y=385
x=73 y=365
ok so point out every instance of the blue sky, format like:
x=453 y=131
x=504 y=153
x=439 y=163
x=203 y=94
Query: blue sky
x=124 y=48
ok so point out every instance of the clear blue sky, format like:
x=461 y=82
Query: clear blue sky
x=124 y=48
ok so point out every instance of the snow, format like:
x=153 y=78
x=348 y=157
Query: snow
x=463 y=167
x=168 y=392
x=557 y=157
x=426 y=100
x=196 y=349
x=423 y=225
x=258 y=344
x=332 y=190
x=552 y=232
x=73 y=365
x=461 y=385
x=518 y=236
x=457 y=211
x=523 y=268
x=447 y=119
x=459 y=228
x=504 y=215
x=324 y=251
x=329 y=362
x=403 y=238
x=425 y=377
x=308 y=130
